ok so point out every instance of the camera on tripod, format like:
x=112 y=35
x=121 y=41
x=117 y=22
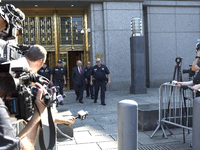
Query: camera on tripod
x=178 y=60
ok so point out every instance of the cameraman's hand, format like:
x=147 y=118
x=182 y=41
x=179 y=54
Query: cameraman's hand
x=39 y=99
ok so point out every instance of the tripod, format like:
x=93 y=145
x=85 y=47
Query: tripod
x=178 y=77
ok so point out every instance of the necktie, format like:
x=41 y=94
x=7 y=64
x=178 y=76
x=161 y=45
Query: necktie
x=80 y=70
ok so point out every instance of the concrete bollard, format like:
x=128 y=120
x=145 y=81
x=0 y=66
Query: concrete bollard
x=195 y=124
x=127 y=125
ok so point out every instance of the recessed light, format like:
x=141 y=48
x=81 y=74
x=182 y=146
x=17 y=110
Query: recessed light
x=72 y=5
x=36 y=5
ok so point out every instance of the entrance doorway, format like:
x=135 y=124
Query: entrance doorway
x=73 y=56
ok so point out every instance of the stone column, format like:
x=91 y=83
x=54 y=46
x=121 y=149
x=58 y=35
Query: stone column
x=138 y=67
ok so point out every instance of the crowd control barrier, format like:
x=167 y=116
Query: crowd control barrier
x=175 y=108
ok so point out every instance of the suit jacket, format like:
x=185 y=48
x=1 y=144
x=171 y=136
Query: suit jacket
x=78 y=79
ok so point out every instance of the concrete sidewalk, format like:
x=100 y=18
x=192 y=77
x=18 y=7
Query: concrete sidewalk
x=99 y=130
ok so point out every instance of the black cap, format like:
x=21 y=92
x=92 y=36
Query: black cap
x=59 y=61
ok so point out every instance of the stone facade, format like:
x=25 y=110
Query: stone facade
x=171 y=29
x=110 y=37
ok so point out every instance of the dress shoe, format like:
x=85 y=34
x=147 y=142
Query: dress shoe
x=95 y=101
x=92 y=97
x=63 y=95
x=104 y=104
x=81 y=102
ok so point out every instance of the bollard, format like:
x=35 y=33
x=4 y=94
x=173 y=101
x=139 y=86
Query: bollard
x=127 y=125
x=195 y=124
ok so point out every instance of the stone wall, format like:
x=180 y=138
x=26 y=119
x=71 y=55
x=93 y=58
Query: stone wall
x=110 y=38
x=173 y=29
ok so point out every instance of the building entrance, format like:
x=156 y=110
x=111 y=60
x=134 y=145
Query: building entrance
x=73 y=58
x=59 y=31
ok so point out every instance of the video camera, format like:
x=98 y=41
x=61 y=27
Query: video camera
x=13 y=18
x=189 y=71
x=20 y=95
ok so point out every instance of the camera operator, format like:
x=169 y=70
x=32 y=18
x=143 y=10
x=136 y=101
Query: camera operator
x=195 y=83
x=33 y=61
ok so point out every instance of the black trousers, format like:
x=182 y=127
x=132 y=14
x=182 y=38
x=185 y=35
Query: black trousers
x=79 y=91
x=89 y=90
x=60 y=84
x=97 y=86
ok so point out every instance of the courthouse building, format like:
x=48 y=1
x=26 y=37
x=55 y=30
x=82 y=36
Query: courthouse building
x=73 y=30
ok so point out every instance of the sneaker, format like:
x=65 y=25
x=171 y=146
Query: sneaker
x=104 y=104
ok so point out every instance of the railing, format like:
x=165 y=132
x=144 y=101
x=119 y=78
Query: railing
x=175 y=108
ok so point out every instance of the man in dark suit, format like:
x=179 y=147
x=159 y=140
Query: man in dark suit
x=78 y=77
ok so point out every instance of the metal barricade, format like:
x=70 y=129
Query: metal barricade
x=175 y=108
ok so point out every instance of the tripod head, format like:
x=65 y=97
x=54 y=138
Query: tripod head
x=178 y=60
x=177 y=69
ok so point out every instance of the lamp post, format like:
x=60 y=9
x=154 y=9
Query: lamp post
x=136 y=26
x=137 y=51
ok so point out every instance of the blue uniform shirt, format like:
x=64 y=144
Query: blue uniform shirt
x=58 y=73
x=46 y=72
x=99 y=73
x=88 y=73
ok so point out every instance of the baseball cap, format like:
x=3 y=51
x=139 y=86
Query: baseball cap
x=59 y=61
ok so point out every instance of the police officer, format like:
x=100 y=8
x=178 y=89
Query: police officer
x=89 y=87
x=58 y=77
x=45 y=71
x=99 y=73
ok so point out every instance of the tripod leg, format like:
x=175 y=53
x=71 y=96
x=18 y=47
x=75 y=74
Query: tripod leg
x=174 y=72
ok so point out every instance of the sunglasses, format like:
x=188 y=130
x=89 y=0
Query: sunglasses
x=97 y=61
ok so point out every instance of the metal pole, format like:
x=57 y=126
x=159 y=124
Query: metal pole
x=127 y=125
x=195 y=123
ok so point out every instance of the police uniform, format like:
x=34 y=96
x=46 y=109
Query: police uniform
x=46 y=72
x=58 y=79
x=89 y=87
x=99 y=74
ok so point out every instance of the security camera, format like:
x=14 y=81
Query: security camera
x=82 y=31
